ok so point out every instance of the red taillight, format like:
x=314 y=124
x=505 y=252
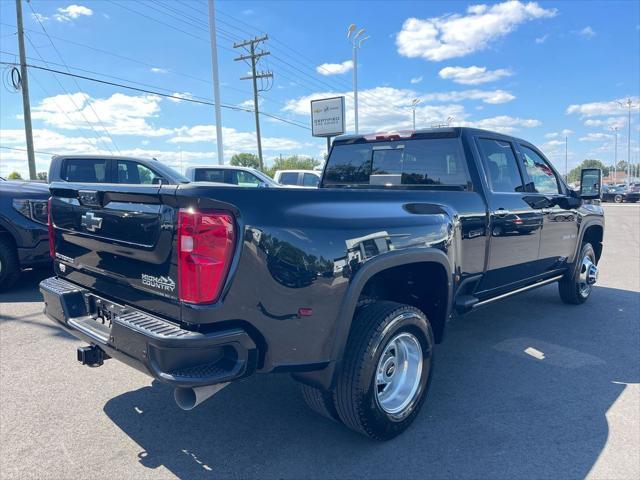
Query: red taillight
x=52 y=243
x=206 y=240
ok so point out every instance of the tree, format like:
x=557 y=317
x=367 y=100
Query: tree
x=574 y=174
x=14 y=176
x=294 y=162
x=245 y=160
x=42 y=176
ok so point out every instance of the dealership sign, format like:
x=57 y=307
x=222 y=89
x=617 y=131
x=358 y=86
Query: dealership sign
x=327 y=117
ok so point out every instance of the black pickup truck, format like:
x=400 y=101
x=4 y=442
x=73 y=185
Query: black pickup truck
x=347 y=287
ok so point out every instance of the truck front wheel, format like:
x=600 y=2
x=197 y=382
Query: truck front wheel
x=575 y=287
x=385 y=374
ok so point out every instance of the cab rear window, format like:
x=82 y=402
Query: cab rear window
x=437 y=162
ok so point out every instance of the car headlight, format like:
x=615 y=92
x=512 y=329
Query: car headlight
x=36 y=210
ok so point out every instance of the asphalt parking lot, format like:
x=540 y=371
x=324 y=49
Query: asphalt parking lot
x=527 y=388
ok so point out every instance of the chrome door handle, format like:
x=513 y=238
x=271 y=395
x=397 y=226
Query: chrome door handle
x=501 y=212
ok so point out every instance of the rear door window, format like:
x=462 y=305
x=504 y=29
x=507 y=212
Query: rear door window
x=135 y=173
x=289 y=178
x=89 y=170
x=245 y=179
x=503 y=173
x=209 y=175
x=310 y=180
x=437 y=162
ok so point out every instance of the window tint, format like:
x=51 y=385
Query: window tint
x=542 y=176
x=245 y=179
x=436 y=161
x=310 y=180
x=135 y=173
x=85 y=170
x=209 y=175
x=502 y=168
x=289 y=178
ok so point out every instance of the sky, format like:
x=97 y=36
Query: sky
x=541 y=71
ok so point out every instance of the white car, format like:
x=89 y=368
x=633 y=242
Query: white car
x=300 y=178
x=241 y=176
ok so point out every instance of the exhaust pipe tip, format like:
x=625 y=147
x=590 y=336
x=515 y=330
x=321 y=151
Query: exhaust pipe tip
x=188 y=398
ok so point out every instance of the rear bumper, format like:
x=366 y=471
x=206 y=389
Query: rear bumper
x=175 y=356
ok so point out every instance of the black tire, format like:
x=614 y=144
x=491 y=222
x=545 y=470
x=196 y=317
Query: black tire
x=320 y=401
x=569 y=286
x=618 y=199
x=9 y=264
x=357 y=392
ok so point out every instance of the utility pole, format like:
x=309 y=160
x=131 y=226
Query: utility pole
x=24 y=84
x=414 y=104
x=216 y=80
x=254 y=55
x=629 y=104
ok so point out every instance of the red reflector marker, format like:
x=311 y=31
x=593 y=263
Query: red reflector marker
x=206 y=241
x=305 y=312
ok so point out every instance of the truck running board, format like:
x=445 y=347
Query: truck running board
x=466 y=303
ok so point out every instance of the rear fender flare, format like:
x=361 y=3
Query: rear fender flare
x=368 y=270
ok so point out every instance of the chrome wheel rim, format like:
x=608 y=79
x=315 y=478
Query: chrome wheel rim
x=588 y=276
x=398 y=373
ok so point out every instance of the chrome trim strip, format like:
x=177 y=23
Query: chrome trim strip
x=519 y=290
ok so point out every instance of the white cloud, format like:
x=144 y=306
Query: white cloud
x=456 y=35
x=415 y=80
x=502 y=123
x=595 y=137
x=72 y=12
x=158 y=70
x=595 y=109
x=486 y=96
x=234 y=140
x=120 y=114
x=586 y=32
x=562 y=133
x=334 y=68
x=383 y=109
x=180 y=95
x=473 y=75
x=611 y=122
x=39 y=17
x=542 y=39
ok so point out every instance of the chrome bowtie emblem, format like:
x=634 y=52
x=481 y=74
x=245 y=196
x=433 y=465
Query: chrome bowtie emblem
x=91 y=222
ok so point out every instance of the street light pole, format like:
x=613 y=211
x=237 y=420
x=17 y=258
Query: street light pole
x=414 y=104
x=566 y=159
x=615 y=154
x=629 y=104
x=356 y=43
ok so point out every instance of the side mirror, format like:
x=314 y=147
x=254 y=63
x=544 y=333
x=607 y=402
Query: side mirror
x=590 y=182
x=263 y=185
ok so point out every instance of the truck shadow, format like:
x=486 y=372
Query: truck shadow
x=520 y=390
x=22 y=290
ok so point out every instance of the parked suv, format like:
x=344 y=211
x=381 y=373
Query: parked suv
x=347 y=287
x=232 y=175
x=23 y=228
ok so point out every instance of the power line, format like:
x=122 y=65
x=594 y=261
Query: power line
x=54 y=98
x=24 y=150
x=37 y=17
x=152 y=92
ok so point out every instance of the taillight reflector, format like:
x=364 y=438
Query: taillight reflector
x=52 y=243
x=206 y=241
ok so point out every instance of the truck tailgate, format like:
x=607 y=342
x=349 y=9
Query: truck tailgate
x=119 y=240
